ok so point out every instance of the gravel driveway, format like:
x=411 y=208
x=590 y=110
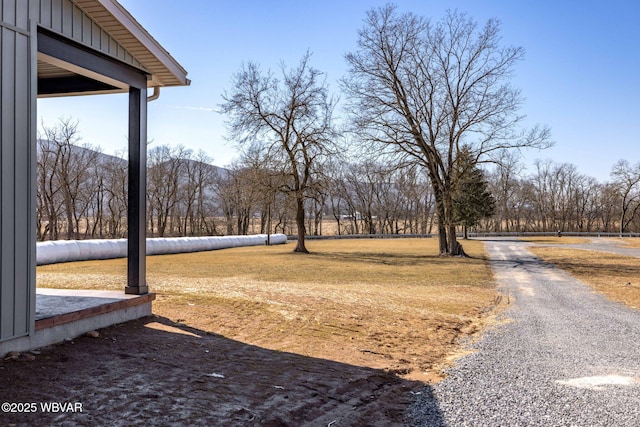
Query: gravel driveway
x=566 y=357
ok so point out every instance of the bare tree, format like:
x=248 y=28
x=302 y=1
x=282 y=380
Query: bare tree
x=607 y=205
x=556 y=197
x=165 y=165
x=241 y=194
x=505 y=184
x=626 y=179
x=290 y=120
x=424 y=90
x=199 y=178
x=65 y=179
x=334 y=171
x=225 y=194
x=48 y=192
x=114 y=175
x=417 y=198
x=363 y=180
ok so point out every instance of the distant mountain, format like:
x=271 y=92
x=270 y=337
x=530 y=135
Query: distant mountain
x=103 y=158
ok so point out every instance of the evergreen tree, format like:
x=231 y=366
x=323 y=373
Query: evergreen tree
x=472 y=199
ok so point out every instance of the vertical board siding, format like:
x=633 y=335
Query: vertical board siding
x=4 y=317
x=16 y=107
x=96 y=36
x=65 y=17
x=77 y=23
x=56 y=15
x=87 y=29
x=45 y=15
x=25 y=176
x=22 y=17
x=2 y=108
x=6 y=163
x=9 y=12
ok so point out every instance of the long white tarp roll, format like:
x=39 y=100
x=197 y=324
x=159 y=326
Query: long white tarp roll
x=56 y=251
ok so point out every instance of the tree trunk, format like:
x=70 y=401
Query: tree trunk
x=68 y=205
x=300 y=246
x=442 y=238
x=442 y=229
x=455 y=248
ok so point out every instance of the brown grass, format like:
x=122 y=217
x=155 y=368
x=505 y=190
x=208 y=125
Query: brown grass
x=615 y=276
x=628 y=242
x=389 y=304
x=548 y=240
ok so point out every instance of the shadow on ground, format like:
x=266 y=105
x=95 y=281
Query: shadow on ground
x=156 y=372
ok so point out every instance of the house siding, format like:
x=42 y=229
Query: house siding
x=67 y=18
x=17 y=160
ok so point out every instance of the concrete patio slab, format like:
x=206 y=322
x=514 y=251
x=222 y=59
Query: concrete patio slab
x=67 y=313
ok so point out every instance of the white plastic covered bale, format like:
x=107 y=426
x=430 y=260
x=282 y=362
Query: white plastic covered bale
x=47 y=252
x=101 y=249
x=275 y=239
x=52 y=252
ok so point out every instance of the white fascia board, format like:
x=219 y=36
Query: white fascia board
x=138 y=31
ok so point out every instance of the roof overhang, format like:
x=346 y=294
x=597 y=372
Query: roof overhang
x=59 y=77
x=121 y=25
x=69 y=68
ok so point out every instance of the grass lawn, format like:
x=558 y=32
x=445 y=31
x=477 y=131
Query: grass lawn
x=616 y=276
x=629 y=242
x=391 y=304
x=548 y=240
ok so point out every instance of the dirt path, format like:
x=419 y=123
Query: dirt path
x=564 y=356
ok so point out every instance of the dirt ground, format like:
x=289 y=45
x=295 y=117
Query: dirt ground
x=158 y=372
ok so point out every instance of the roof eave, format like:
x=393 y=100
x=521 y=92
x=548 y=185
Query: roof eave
x=138 y=31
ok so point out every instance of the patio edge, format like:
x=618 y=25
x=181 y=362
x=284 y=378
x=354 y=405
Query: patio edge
x=52 y=330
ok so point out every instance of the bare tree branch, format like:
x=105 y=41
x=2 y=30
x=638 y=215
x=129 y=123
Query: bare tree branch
x=288 y=121
x=428 y=90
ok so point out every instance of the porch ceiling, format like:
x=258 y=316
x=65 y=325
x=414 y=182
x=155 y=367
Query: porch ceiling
x=50 y=71
x=55 y=80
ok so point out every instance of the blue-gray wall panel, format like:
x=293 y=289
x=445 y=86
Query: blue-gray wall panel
x=22 y=17
x=17 y=126
x=23 y=196
x=45 y=16
x=9 y=12
x=8 y=78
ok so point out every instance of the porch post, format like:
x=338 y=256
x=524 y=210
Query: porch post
x=136 y=213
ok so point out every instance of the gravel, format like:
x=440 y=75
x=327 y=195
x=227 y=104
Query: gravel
x=564 y=356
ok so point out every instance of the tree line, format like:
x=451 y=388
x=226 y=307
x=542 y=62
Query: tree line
x=557 y=197
x=81 y=193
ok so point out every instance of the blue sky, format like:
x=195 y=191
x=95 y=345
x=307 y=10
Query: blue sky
x=580 y=75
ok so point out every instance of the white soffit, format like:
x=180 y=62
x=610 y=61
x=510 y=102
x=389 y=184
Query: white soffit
x=123 y=27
